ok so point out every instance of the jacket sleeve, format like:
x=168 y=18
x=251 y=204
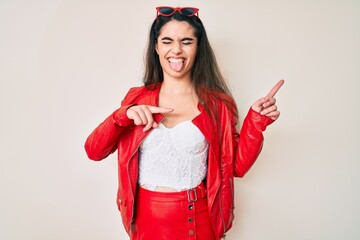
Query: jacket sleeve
x=249 y=142
x=103 y=140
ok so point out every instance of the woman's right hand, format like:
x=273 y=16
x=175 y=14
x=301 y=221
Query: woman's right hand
x=143 y=115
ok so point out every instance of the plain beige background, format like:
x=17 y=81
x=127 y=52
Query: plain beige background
x=66 y=64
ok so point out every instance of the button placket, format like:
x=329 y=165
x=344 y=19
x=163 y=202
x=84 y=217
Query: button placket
x=191 y=221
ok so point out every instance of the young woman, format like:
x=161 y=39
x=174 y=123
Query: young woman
x=178 y=147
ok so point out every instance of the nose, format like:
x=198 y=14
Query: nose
x=176 y=48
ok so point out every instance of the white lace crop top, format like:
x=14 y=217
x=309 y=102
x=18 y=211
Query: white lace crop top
x=173 y=157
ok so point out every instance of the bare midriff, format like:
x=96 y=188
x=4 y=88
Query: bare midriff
x=159 y=188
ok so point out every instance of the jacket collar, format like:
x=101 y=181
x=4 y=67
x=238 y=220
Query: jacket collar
x=201 y=121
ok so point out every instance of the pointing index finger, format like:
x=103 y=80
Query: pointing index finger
x=159 y=109
x=275 y=89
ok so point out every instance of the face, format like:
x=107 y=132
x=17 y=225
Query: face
x=176 y=47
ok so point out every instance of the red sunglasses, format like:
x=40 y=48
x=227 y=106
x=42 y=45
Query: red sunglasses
x=169 y=11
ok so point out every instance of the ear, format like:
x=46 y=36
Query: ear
x=156 y=48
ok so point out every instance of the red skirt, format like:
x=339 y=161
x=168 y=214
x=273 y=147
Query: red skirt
x=172 y=215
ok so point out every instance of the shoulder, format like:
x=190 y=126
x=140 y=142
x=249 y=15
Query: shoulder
x=135 y=93
x=222 y=100
x=225 y=105
x=225 y=98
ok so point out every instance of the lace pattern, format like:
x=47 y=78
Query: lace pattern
x=173 y=157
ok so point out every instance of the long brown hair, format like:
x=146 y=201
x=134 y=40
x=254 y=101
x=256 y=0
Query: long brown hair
x=206 y=76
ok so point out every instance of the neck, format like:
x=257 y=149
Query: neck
x=176 y=86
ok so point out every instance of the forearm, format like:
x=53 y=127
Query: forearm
x=103 y=140
x=250 y=141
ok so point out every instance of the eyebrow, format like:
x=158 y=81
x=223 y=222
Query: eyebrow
x=187 y=39
x=183 y=39
x=166 y=38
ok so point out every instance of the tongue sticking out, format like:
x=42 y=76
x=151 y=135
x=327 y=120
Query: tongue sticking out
x=176 y=65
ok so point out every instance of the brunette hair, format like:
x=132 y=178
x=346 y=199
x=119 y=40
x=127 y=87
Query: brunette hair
x=209 y=83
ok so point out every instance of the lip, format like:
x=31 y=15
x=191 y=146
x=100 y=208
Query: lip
x=175 y=59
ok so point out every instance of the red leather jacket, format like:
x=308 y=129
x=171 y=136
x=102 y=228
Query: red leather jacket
x=230 y=154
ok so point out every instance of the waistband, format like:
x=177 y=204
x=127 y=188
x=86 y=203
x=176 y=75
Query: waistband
x=191 y=195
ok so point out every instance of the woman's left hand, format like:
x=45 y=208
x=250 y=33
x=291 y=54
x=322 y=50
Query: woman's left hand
x=266 y=105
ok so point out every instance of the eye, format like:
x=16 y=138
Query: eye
x=166 y=42
x=187 y=42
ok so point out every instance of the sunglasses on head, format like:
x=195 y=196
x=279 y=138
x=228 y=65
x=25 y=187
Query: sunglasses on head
x=169 y=11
